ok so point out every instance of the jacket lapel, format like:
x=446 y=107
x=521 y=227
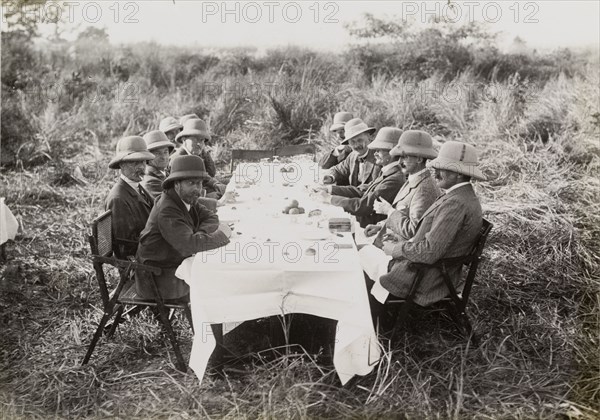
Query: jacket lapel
x=177 y=200
x=464 y=190
x=409 y=186
x=135 y=194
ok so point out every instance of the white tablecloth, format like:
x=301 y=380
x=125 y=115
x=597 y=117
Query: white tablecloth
x=266 y=270
x=8 y=223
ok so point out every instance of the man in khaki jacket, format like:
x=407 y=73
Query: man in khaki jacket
x=414 y=148
x=359 y=167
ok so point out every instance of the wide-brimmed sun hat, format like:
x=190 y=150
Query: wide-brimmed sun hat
x=130 y=149
x=194 y=127
x=339 y=119
x=354 y=127
x=458 y=157
x=157 y=139
x=415 y=143
x=187 y=117
x=386 y=138
x=169 y=123
x=185 y=167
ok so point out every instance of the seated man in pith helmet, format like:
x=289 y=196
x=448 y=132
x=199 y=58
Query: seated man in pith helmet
x=129 y=201
x=177 y=228
x=448 y=228
x=341 y=151
x=359 y=167
x=359 y=201
x=414 y=148
x=193 y=138
x=161 y=147
x=171 y=127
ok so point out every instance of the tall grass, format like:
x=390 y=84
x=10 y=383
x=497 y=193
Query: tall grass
x=535 y=304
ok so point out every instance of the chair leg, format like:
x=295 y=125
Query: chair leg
x=218 y=355
x=469 y=328
x=164 y=317
x=188 y=314
x=107 y=315
x=462 y=323
x=116 y=321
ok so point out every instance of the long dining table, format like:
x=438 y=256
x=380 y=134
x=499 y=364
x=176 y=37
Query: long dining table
x=278 y=263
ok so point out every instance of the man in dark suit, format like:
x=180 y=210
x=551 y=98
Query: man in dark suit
x=359 y=201
x=160 y=146
x=359 y=167
x=129 y=201
x=177 y=228
x=449 y=228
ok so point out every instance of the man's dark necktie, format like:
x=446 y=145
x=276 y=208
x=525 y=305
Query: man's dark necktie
x=144 y=195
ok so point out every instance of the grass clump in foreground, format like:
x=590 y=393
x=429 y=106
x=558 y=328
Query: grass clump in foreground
x=535 y=304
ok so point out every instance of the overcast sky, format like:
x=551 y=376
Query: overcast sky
x=542 y=24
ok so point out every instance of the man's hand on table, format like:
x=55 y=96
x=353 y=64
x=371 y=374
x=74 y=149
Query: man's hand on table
x=371 y=230
x=322 y=196
x=388 y=247
x=319 y=188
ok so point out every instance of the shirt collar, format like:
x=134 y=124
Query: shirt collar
x=389 y=168
x=413 y=177
x=362 y=158
x=187 y=206
x=186 y=149
x=457 y=186
x=131 y=183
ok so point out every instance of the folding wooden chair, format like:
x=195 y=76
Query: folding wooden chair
x=249 y=155
x=123 y=296
x=456 y=303
x=297 y=149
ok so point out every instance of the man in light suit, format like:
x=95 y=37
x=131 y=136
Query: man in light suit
x=359 y=201
x=129 y=201
x=449 y=228
x=414 y=148
x=359 y=167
